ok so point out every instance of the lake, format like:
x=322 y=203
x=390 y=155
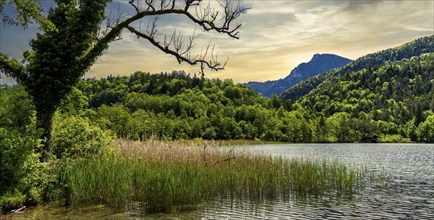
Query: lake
x=403 y=189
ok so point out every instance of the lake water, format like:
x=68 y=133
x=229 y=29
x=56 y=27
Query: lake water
x=404 y=190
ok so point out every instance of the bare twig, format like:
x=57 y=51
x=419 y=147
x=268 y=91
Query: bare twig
x=131 y=2
x=180 y=50
x=207 y=17
x=227 y=159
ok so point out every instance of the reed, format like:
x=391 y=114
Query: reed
x=158 y=176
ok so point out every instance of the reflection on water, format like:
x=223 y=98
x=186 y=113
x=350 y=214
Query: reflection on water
x=408 y=191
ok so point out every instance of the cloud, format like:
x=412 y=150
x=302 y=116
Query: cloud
x=276 y=36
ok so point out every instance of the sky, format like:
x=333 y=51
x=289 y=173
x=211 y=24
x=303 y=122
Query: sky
x=276 y=36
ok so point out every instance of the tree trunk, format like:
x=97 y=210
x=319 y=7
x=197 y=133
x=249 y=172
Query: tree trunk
x=44 y=121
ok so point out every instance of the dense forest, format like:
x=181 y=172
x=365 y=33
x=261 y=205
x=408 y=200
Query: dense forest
x=397 y=97
x=406 y=51
x=177 y=106
x=390 y=101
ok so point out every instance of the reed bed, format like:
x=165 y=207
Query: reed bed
x=159 y=176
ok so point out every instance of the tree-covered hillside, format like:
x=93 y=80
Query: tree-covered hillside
x=177 y=106
x=414 y=48
x=390 y=101
x=398 y=96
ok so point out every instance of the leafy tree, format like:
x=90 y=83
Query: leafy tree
x=425 y=131
x=73 y=38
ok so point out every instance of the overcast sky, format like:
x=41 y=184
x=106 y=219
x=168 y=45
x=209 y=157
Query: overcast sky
x=276 y=37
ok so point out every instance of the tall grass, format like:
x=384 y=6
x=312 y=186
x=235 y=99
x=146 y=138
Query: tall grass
x=162 y=175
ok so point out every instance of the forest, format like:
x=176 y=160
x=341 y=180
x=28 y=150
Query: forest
x=173 y=106
x=388 y=94
x=398 y=97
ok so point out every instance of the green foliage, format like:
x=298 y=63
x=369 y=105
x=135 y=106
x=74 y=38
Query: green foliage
x=18 y=136
x=15 y=151
x=393 y=138
x=26 y=12
x=64 y=50
x=75 y=103
x=214 y=109
x=60 y=51
x=23 y=177
x=16 y=110
x=75 y=137
x=11 y=200
x=155 y=105
x=24 y=180
x=415 y=48
x=35 y=180
x=425 y=131
x=72 y=39
x=380 y=100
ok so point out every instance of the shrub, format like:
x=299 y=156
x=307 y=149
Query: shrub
x=14 y=151
x=425 y=131
x=393 y=138
x=75 y=137
x=23 y=178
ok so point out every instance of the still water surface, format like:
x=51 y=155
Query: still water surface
x=405 y=171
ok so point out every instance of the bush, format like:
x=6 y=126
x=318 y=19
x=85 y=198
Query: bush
x=14 y=151
x=11 y=200
x=23 y=178
x=393 y=138
x=425 y=131
x=75 y=137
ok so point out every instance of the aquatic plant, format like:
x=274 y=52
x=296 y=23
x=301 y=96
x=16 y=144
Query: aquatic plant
x=159 y=176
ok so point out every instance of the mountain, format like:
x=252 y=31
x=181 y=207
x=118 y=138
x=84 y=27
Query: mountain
x=397 y=96
x=318 y=64
x=408 y=50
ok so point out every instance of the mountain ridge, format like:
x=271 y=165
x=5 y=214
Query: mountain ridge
x=408 y=50
x=318 y=64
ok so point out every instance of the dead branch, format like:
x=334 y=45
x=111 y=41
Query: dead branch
x=209 y=18
x=227 y=159
x=180 y=50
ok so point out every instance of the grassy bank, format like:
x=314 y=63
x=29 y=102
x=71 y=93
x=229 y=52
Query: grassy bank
x=162 y=175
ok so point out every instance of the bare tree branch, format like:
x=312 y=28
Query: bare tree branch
x=131 y=2
x=150 y=6
x=179 y=50
x=208 y=18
